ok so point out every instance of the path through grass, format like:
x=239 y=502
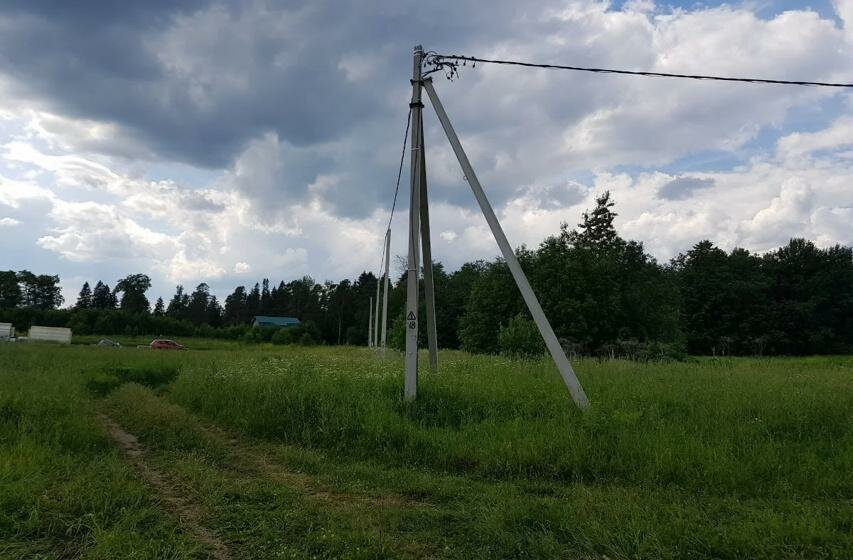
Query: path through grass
x=301 y=453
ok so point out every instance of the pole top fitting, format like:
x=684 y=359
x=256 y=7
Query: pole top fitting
x=418 y=49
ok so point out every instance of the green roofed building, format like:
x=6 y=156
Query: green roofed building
x=264 y=321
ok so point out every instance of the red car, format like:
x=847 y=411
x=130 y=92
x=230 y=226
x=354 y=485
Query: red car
x=164 y=344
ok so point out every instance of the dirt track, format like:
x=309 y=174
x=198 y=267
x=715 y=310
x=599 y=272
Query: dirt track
x=188 y=514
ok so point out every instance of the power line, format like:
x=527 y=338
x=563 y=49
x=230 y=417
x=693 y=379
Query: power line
x=400 y=171
x=397 y=187
x=447 y=63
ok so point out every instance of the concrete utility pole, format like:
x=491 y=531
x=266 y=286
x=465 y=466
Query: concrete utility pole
x=370 y=326
x=429 y=286
x=385 y=293
x=557 y=353
x=411 y=382
x=376 y=314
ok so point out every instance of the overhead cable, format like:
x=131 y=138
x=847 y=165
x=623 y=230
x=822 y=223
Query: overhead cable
x=450 y=64
x=397 y=187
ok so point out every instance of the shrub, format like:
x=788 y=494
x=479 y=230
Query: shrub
x=283 y=336
x=520 y=338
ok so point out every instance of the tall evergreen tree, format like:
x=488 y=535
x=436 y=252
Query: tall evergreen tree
x=84 y=298
x=597 y=229
x=197 y=310
x=159 y=308
x=102 y=297
x=214 y=312
x=253 y=301
x=236 y=312
x=280 y=300
x=265 y=307
x=178 y=304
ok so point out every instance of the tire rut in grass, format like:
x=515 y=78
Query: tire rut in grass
x=248 y=457
x=246 y=462
x=188 y=513
x=258 y=460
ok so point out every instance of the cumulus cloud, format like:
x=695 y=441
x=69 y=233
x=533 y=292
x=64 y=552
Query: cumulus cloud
x=195 y=138
x=93 y=232
x=9 y=222
x=836 y=137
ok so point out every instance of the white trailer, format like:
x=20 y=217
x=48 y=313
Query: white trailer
x=50 y=334
x=7 y=331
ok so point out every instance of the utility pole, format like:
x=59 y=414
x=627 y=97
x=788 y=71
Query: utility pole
x=551 y=342
x=376 y=314
x=429 y=286
x=385 y=293
x=411 y=381
x=370 y=326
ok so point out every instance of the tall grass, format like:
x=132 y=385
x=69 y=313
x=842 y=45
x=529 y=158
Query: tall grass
x=64 y=490
x=705 y=459
x=742 y=426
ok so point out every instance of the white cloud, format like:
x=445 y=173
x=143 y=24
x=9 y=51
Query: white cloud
x=790 y=211
x=844 y=9
x=13 y=193
x=837 y=136
x=182 y=267
x=9 y=222
x=94 y=232
x=543 y=143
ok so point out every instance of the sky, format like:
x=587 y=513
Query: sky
x=228 y=141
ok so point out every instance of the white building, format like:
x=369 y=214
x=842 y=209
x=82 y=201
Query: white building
x=50 y=334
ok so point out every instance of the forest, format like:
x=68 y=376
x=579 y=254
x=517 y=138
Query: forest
x=603 y=294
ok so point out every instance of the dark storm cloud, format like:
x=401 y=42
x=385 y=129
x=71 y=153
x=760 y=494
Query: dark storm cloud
x=202 y=83
x=113 y=61
x=682 y=188
x=285 y=95
x=90 y=12
x=102 y=62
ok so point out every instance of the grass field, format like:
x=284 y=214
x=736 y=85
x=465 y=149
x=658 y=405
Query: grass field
x=231 y=451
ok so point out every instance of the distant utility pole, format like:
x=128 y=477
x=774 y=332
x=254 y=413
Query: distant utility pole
x=376 y=314
x=370 y=326
x=419 y=231
x=385 y=292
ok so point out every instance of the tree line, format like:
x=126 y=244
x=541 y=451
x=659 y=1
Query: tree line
x=603 y=294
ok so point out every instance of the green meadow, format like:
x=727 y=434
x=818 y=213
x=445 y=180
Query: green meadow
x=236 y=451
